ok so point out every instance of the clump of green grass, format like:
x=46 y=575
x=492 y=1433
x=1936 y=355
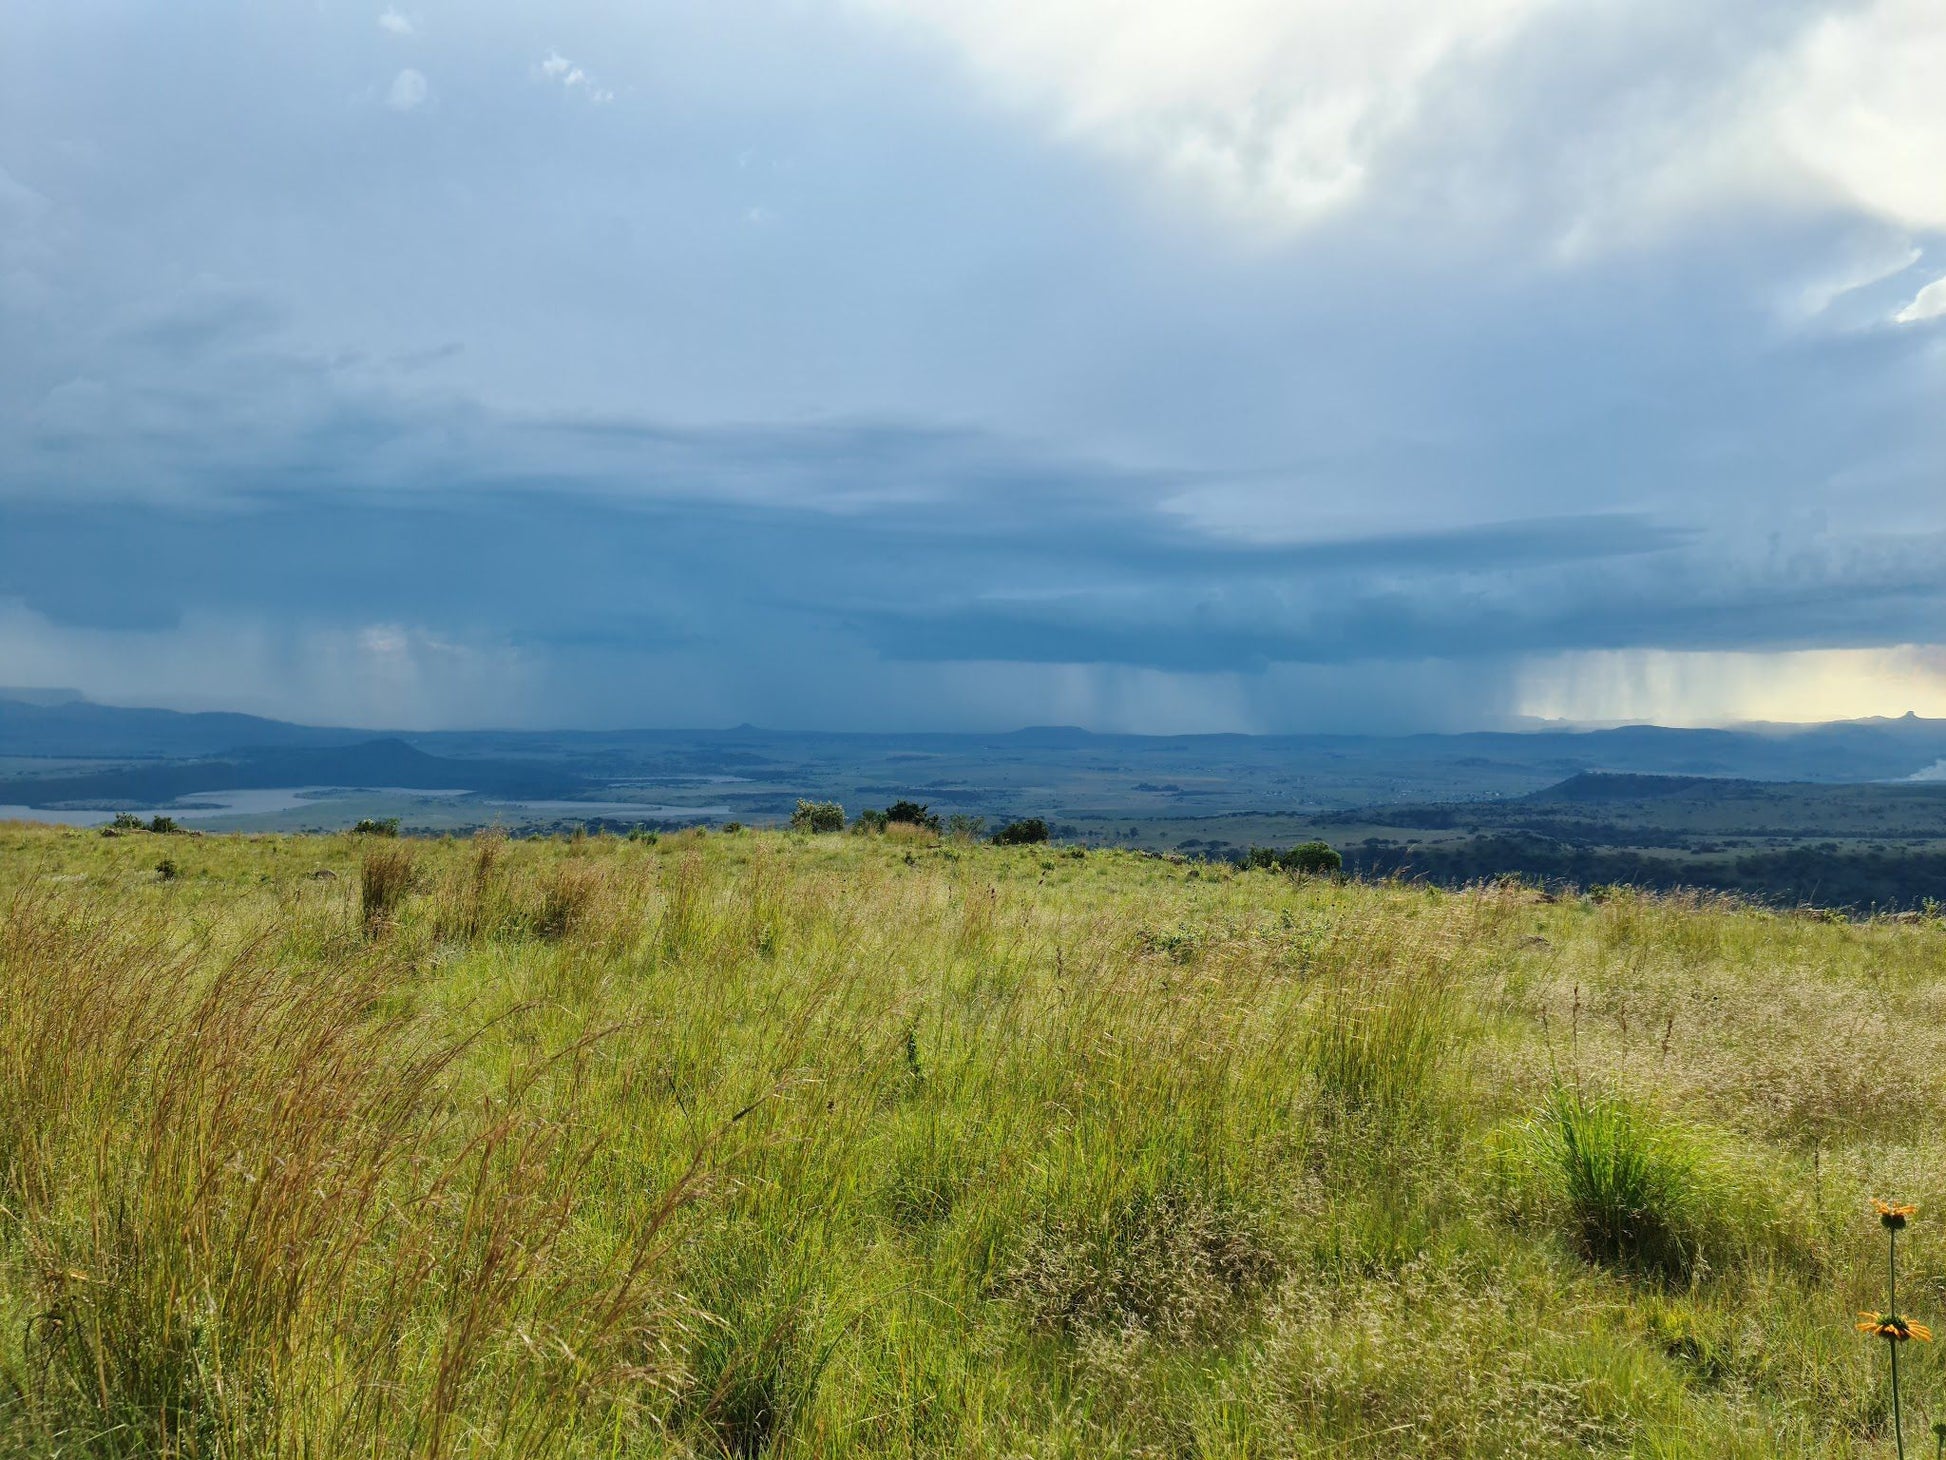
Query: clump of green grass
x=684 y=925
x=1380 y=1038
x=1639 y=1193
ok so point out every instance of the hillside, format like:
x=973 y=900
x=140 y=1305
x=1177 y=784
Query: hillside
x=761 y=1144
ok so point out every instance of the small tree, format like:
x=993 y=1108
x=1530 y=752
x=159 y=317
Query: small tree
x=1263 y=859
x=1023 y=833
x=869 y=820
x=1312 y=859
x=817 y=816
x=912 y=813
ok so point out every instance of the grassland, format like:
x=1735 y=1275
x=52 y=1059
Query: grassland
x=759 y=1144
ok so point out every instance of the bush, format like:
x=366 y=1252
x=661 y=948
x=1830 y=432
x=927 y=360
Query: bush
x=911 y=813
x=369 y=826
x=1312 y=859
x=127 y=821
x=1263 y=859
x=818 y=816
x=962 y=827
x=869 y=820
x=164 y=825
x=167 y=869
x=1023 y=833
x=731 y=828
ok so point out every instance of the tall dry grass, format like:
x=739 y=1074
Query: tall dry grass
x=253 y=1215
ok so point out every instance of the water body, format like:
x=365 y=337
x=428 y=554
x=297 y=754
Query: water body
x=342 y=802
x=201 y=807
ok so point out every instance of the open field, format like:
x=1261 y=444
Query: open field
x=817 y=1146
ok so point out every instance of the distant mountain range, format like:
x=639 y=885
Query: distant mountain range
x=58 y=723
x=69 y=752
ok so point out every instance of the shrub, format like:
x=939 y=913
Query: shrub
x=127 y=821
x=383 y=881
x=731 y=828
x=167 y=869
x=911 y=813
x=818 y=816
x=1262 y=859
x=1024 y=833
x=869 y=820
x=164 y=825
x=1312 y=859
x=962 y=827
x=370 y=826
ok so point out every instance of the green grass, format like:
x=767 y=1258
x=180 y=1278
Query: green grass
x=823 y=1146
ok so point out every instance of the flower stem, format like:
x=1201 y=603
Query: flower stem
x=1892 y=1303
x=1898 y=1433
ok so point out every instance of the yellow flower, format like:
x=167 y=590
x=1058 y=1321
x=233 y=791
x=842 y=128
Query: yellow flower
x=1892 y=1215
x=1894 y=1327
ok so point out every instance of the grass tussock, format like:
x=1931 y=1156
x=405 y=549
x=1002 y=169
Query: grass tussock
x=788 y=1145
x=1638 y=1192
x=385 y=876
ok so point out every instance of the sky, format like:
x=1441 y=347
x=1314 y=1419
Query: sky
x=1148 y=365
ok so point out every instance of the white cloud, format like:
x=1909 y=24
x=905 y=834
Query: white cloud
x=409 y=91
x=1276 y=109
x=1928 y=303
x=557 y=67
x=1289 y=111
x=395 y=22
x=1859 y=104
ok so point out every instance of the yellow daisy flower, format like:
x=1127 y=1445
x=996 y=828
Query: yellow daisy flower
x=1891 y=1214
x=1894 y=1327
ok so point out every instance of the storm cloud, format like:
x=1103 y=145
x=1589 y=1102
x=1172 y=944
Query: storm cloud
x=865 y=364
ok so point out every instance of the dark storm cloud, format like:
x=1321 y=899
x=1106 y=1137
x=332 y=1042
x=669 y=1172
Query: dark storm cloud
x=776 y=349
